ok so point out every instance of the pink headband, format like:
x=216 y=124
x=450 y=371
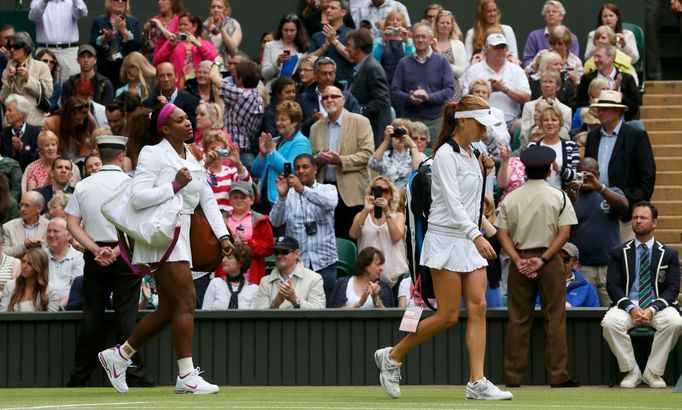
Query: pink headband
x=166 y=112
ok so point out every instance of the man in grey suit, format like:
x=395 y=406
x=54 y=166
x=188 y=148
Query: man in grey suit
x=370 y=84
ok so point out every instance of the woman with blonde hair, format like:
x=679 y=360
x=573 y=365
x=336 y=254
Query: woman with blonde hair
x=30 y=291
x=209 y=118
x=223 y=31
x=552 y=61
x=37 y=173
x=381 y=224
x=137 y=75
x=487 y=15
x=202 y=87
x=397 y=155
x=449 y=43
x=560 y=41
x=394 y=43
x=604 y=35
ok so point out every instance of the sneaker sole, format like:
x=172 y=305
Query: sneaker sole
x=103 y=362
x=195 y=392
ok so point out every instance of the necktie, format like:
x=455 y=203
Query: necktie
x=234 y=300
x=646 y=289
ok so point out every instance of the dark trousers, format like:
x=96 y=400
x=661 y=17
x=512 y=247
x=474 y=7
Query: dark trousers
x=329 y=276
x=98 y=284
x=521 y=294
x=343 y=218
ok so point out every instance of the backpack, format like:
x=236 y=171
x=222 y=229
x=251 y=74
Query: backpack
x=418 y=206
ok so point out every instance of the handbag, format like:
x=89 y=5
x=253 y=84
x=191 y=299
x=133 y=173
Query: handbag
x=206 y=250
x=43 y=103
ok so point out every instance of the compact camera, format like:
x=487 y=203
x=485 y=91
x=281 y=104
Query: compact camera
x=310 y=228
x=182 y=36
x=579 y=178
x=398 y=132
x=223 y=153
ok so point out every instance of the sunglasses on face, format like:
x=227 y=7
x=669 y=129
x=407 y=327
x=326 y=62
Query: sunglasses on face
x=47 y=61
x=14 y=46
x=383 y=190
x=281 y=252
x=81 y=106
x=329 y=97
x=419 y=138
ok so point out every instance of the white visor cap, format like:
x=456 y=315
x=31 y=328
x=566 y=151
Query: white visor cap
x=485 y=117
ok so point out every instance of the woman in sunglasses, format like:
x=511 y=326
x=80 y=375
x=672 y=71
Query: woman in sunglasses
x=454 y=248
x=26 y=76
x=48 y=57
x=74 y=124
x=381 y=224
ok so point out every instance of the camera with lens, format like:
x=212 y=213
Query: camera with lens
x=182 y=36
x=310 y=228
x=579 y=178
x=398 y=132
x=215 y=30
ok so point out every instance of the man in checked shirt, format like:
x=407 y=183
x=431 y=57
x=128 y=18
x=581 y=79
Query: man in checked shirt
x=307 y=208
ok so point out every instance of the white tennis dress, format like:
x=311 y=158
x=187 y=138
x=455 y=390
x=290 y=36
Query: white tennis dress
x=156 y=169
x=456 y=186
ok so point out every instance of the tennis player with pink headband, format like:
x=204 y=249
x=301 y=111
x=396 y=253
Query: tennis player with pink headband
x=454 y=248
x=166 y=167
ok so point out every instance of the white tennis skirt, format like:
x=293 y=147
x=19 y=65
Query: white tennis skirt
x=447 y=252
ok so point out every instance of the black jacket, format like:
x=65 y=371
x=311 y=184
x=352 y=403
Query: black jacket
x=628 y=88
x=28 y=153
x=665 y=271
x=103 y=89
x=185 y=101
x=370 y=87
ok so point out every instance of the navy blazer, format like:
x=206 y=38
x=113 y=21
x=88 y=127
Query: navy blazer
x=370 y=87
x=632 y=167
x=665 y=270
x=310 y=103
x=185 y=101
x=110 y=69
x=29 y=151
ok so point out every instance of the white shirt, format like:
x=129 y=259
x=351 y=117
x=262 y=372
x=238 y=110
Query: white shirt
x=218 y=295
x=368 y=11
x=513 y=76
x=508 y=34
x=554 y=178
x=89 y=196
x=63 y=273
x=57 y=21
x=334 y=131
x=353 y=298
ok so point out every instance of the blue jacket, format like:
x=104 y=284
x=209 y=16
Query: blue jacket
x=579 y=293
x=273 y=164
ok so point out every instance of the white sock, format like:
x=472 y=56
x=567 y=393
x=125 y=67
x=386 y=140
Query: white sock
x=124 y=349
x=185 y=366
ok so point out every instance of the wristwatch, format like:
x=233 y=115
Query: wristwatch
x=543 y=259
x=297 y=304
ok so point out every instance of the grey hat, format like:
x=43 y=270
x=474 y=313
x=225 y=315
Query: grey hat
x=243 y=187
x=24 y=39
x=571 y=250
x=87 y=48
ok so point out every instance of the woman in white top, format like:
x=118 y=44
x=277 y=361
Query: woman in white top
x=382 y=226
x=454 y=248
x=232 y=291
x=609 y=15
x=449 y=44
x=363 y=290
x=9 y=267
x=30 y=291
x=163 y=170
x=487 y=15
x=282 y=55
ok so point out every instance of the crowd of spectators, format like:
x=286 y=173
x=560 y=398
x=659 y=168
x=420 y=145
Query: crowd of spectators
x=315 y=139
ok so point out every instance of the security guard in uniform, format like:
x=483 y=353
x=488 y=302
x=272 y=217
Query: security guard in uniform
x=105 y=272
x=533 y=224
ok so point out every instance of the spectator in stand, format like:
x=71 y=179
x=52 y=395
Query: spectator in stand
x=244 y=107
x=18 y=139
x=116 y=118
x=314 y=18
x=423 y=82
x=609 y=15
x=10 y=267
x=550 y=81
x=115 y=35
x=232 y=291
x=265 y=38
x=6 y=31
x=282 y=55
x=364 y=289
x=30 y=291
x=103 y=90
x=372 y=15
x=57 y=205
x=202 y=87
x=508 y=81
x=567 y=156
x=448 y=42
x=386 y=232
x=487 y=15
x=249 y=227
x=306 y=76
x=82 y=88
x=598 y=209
x=290 y=285
x=65 y=262
x=579 y=292
x=283 y=89
x=393 y=44
x=36 y=173
x=397 y=155
x=27 y=231
x=310 y=99
x=222 y=174
x=136 y=75
x=26 y=76
x=331 y=40
x=223 y=31
x=57 y=30
x=567 y=89
x=571 y=68
x=48 y=57
x=496 y=134
x=370 y=85
x=342 y=143
x=512 y=172
x=209 y=118
x=624 y=83
x=597 y=85
x=624 y=155
x=604 y=35
x=306 y=208
x=420 y=135
x=431 y=11
x=553 y=12
x=74 y=125
x=187 y=51
x=60 y=175
x=167 y=92
x=162 y=27
x=644 y=279
x=8 y=202
x=275 y=153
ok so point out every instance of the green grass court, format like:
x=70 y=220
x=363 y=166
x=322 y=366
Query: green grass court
x=372 y=397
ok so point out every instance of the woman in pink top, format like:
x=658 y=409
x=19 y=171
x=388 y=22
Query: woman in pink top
x=161 y=28
x=187 y=51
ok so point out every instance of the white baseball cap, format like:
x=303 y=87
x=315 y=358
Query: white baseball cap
x=495 y=39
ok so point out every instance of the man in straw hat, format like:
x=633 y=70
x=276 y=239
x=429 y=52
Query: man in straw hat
x=105 y=271
x=623 y=153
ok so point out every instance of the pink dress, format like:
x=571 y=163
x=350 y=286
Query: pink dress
x=37 y=172
x=517 y=177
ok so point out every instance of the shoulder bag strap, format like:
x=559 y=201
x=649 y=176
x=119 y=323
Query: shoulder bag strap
x=125 y=253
